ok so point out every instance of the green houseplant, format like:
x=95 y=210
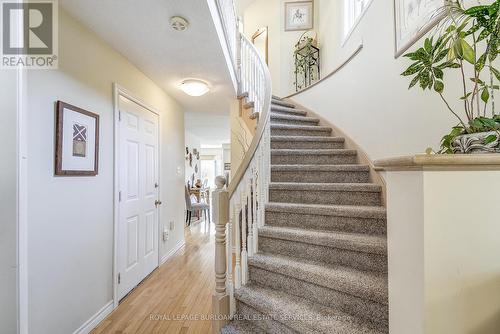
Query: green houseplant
x=465 y=40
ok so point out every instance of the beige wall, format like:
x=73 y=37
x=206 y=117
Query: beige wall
x=444 y=246
x=8 y=226
x=71 y=219
x=262 y=13
x=462 y=252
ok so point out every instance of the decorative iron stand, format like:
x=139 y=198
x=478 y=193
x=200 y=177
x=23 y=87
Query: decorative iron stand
x=308 y=55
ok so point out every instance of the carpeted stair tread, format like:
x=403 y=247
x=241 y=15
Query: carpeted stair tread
x=287 y=111
x=282 y=103
x=365 y=194
x=301 y=127
x=363 y=284
x=300 y=314
x=322 y=168
x=320 y=173
x=340 y=151
x=307 y=138
x=240 y=327
x=350 y=241
x=350 y=187
x=276 y=118
x=339 y=156
x=376 y=212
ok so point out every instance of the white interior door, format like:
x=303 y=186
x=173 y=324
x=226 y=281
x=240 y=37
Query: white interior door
x=138 y=186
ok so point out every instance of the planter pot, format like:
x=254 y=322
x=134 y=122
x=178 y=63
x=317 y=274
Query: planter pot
x=474 y=143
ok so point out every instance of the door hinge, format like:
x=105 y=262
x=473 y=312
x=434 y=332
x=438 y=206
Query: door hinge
x=119 y=278
x=119 y=196
x=119 y=115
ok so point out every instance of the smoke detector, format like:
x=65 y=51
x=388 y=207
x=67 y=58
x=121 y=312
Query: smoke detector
x=178 y=23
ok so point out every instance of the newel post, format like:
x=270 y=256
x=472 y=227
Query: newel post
x=220 y=298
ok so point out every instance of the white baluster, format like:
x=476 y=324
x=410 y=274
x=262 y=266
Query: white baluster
x=255 y=232
x=262 y=177
x=250 y=216
x=229 y=281
x=244 y=254
x=237 y=233
x=220 y=298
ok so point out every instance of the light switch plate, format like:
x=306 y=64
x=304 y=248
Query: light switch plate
x=166 y=234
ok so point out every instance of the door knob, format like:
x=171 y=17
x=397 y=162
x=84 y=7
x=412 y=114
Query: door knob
x=157 y=202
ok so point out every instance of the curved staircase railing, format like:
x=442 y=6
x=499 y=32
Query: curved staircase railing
x=239 y=209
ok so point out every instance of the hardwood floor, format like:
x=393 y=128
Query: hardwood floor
x=176 y=297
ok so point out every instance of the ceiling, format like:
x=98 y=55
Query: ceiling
x=141 y=32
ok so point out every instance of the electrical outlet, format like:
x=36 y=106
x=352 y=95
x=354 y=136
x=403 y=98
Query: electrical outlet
x=166 y=234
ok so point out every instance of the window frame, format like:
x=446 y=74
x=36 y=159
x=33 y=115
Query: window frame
x=347 y=33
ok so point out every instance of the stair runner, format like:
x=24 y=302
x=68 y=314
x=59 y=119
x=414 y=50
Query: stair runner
x=322 y=260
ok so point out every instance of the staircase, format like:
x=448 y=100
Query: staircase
x=321 y=265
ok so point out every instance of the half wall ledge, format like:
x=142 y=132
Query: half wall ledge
x=440 y=162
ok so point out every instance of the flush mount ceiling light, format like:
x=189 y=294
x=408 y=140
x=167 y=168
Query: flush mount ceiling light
x=179 y=23
x=194 y=87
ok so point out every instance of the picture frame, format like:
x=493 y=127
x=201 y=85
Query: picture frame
x=413 y=19
x=76 y=141
x=299 y=15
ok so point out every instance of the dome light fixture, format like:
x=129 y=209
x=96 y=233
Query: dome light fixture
x=194 y=87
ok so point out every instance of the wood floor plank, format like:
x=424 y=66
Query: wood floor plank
x=175 y=297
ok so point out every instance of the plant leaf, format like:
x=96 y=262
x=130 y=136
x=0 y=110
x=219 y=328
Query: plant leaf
x=439 y=86
x=480 y=63
x=438 y=72
x=467 y=51
x=414 y=81
x=490 y=139
x=495 y=72
x=485 y=95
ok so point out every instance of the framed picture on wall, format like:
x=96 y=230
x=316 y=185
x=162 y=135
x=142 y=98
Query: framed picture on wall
x=299 y=15
x=414 y=19
x=77 y=141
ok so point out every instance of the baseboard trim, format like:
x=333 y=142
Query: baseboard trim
x=172 y=252
x=92 y=323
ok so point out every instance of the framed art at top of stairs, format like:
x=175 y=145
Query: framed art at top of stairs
x=299 y=15
x=414 y=19
x=77 y=141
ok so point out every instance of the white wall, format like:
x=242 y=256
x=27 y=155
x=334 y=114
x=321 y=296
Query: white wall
x=192 y=142
x=8 y=227
x=71 y=218
x=368 y=98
